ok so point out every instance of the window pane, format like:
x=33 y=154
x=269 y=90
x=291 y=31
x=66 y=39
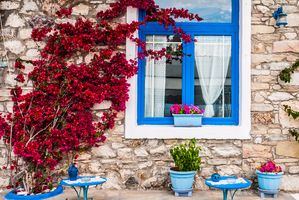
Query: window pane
x=163 y=78
x=213 y=75
x=211 y=11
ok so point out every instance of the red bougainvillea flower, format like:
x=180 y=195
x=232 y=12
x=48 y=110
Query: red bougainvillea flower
x=20 y=78
x=55 y=121
x=64 y=12
x=19 y=65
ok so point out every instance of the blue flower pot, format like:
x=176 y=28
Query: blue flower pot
x=269 y=181
x=182 y=181
x=12 y=196
x=73 y=172
x=187 y=120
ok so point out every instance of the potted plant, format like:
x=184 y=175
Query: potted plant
x=269 y=178
x=186 y=116
x=187 y=163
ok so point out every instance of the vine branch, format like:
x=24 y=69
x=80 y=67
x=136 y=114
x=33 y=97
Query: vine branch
x=285 y=75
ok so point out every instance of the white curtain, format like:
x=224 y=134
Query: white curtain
x=155 y=80
x=212 y=57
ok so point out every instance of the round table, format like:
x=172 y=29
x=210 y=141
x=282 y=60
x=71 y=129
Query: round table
x=229 y=184
x=83 y=182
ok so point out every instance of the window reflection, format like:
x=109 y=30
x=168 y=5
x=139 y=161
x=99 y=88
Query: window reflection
x=163 y=78
x=218 y=11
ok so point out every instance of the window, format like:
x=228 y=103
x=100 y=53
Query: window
x=203 y=73
x=137 y=130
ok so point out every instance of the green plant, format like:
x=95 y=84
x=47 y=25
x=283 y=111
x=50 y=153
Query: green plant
x=186 y=156
x=286 y=75
x=294 y=114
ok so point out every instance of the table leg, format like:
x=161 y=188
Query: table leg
x=232 y=194
x=85 y=192
x=225 y=194
x=78 y=193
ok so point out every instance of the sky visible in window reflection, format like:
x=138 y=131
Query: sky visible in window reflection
x=210 y=10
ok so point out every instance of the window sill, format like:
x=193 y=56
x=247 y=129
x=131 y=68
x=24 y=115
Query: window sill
x=171 y=132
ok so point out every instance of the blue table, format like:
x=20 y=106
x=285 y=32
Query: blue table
x=231 y=185
x=83 y=182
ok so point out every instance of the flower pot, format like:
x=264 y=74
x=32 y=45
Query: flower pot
x=182 y=182
x=269 y=181
x=187 y=120
x=12 y=196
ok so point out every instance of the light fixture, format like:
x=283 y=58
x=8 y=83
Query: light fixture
x=281 y=17
x=3 y=63
x=4 y=60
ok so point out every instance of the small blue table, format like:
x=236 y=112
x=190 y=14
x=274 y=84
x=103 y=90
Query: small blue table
x=83 y=182
x=230 y=187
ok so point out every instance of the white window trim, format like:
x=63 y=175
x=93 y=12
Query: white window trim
x=242 y=131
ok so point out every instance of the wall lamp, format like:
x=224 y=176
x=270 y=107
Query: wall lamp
x=281 y=17
x=3 y=64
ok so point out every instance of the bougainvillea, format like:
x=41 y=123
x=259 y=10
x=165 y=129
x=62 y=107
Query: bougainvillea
x=54 y=121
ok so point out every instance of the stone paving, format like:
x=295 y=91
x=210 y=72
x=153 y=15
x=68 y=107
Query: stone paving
x=96 y=194
x=162 y=195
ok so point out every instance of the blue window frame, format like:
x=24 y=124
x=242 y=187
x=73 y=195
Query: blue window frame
x=195 y=29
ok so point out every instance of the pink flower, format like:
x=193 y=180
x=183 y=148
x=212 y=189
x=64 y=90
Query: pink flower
x=269 y=167
x=175 y=109
x=185 y=109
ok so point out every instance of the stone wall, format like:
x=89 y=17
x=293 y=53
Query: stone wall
x=144 y=164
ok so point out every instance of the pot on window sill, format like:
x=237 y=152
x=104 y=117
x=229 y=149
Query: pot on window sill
x=187 y=120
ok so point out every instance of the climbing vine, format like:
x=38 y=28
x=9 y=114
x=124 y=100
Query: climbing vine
x=54 y=122
x=286 y=75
